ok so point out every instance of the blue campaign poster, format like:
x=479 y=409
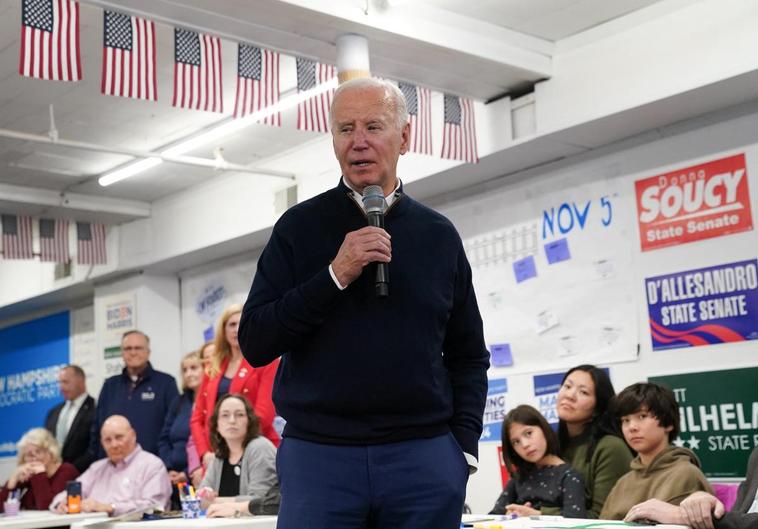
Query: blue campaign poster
x=494 y=410
x=31 y=354
x=717 y=304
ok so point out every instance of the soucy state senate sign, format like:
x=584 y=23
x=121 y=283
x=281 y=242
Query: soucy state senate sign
x=694 y=203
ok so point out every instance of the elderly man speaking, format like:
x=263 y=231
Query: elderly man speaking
x=128 y=479
x=383 y=375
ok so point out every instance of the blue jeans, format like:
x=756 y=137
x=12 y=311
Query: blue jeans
x=413 y=484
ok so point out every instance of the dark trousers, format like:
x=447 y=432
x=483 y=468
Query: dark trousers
x=415 y=484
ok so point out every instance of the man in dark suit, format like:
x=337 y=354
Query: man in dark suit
x=71 y=421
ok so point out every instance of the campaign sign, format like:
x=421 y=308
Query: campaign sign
x=31 y=355
x=546 y=393
x=718 y=304
x=494 y=410
x=694 y=203
x=718 y=417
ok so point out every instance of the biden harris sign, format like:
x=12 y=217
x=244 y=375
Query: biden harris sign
x=705 y=306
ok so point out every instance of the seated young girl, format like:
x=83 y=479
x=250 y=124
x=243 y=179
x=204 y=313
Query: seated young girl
x=243 y=471
x=541 y=482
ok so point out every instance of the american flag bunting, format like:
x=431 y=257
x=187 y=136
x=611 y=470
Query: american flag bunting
x=53 y=240
x=128 y=57
x=17 y=237
x=257 y=82
x=90 y=243
x=459 y=133
x=313 y=114
x=197 y=71
x=419 y=102
x=50 y=40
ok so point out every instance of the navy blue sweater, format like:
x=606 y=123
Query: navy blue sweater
x=145 y=405
x=172 y=445
x=360 y=370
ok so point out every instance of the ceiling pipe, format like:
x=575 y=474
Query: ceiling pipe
x=218 y=163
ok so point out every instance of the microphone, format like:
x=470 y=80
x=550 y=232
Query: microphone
x=373 y=201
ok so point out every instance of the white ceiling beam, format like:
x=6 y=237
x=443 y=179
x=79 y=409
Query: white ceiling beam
x=36 y=201
x=411 y=42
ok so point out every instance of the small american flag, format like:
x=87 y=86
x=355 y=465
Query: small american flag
x=128 y=57
x=53 y=240
x=459 y=134
x=197 y=71
x=17 y=237
x=419 y=102
x=257 y=82
x=50 y=40
x=90 y=243
x=313 y=114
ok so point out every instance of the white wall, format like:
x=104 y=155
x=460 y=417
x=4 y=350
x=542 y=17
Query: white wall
x=737 y=135
x=206 y=291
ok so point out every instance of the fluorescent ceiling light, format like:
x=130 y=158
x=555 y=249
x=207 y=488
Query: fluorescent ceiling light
x=128 y=171
x=214 y=133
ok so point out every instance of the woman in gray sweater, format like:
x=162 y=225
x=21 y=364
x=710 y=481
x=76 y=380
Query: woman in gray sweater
x=241 y=479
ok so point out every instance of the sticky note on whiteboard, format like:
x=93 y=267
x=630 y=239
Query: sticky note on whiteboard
x=524 y=269
x=557 y=251
x=500 y=354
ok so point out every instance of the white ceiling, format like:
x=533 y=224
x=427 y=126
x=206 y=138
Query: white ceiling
x=522 y=31
x=547 y=19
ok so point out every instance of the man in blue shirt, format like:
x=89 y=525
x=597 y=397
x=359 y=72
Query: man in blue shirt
x=139 y=393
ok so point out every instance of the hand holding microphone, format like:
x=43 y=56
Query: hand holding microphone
x=367 y=245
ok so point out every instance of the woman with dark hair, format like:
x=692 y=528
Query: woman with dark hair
x=588 y=434
x=541 y=482
x=241 y=479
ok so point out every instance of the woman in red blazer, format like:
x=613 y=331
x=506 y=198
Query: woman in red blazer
x=229 y=372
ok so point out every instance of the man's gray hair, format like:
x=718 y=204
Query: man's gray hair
x=392 y=95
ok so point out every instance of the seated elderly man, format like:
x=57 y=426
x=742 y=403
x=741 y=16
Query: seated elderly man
x=128 y=479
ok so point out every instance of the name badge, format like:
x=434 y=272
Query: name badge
x=148 y=395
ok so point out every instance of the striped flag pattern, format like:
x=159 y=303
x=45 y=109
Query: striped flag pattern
x=419 y=102
x=313 y=114
x=17 y=237
x=50 y=40
x=459 y=133
x=257 y=82
x=197 y=71
x=90 y=243
x=53 y=240
x=128 y=57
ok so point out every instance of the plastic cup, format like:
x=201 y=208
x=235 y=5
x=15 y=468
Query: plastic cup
x=11 y=508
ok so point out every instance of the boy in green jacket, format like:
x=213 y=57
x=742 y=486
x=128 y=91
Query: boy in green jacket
x=649 y=418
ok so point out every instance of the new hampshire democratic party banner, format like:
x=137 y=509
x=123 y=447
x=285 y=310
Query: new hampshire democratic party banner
x=718 y=417
x=31 y=355
x=718 y=304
